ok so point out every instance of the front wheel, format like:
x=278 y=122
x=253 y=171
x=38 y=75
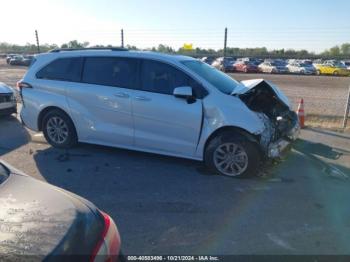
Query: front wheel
x=59 y=129
x=233 y=155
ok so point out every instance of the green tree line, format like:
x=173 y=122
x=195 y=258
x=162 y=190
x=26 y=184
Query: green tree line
x=341 y=52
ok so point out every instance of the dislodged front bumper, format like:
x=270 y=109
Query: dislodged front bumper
x=276 y=149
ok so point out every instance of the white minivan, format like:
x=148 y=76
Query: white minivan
x=152 y=102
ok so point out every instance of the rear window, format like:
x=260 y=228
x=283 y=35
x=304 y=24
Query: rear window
x=111 y=71
x=64 y=69
x=4 y=173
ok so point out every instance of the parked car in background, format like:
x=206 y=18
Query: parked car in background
x=332 y=67
x=346 y=64
x=272 y=68
x=317 y=62
x=39 y=219
x=164 y=104
x=251 y=60
x=280 y=62
x=301 y=68
x=21 y=60
x=224 y=64
x=246 y=67
x=16 y=60
x=8 y=103
x=9 y=57
x=27 y=60
x=307 y=62
x=208 y=60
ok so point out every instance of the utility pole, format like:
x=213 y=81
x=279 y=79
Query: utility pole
x=37 y=40
x=346 y=113
x=122 y=38
x=225 y=43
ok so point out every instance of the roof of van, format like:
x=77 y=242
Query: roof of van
x=115 y=52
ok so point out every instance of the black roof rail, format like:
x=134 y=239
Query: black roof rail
x=88 y=48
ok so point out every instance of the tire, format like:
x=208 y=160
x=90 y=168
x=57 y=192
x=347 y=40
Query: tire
x=318 y=72
x=247 y=150
x=336 y=73
x=58 y=120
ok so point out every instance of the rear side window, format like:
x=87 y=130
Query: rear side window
x=158 y=77
x=110 y=71
x=64 y=69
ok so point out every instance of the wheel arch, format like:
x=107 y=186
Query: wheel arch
x=47 y=109
x=234 y=129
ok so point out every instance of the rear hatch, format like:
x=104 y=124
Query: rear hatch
x=40 y=219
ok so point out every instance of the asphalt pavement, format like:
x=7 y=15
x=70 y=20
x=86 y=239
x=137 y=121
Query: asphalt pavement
x=166 y=205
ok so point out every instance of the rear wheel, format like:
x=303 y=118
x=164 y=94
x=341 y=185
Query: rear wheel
x=59 y=129
x=318 y=72
x=335 y=73
x=232 y=154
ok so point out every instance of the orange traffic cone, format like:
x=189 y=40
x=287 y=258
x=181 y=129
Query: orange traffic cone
x=301 y=114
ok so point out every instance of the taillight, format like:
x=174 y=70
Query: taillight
x=20 y=85
x=108 y=247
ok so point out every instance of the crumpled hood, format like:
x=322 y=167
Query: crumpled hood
x=250 y=84
x=5 y=88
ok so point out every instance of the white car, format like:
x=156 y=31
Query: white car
x=152 y=102
x=347 y=64
x=300 y=68
x=8 y=103
x=272 y=68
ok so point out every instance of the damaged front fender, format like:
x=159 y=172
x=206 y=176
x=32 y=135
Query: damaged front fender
x=274 y=110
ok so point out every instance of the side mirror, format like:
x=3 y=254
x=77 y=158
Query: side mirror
x=184 y=92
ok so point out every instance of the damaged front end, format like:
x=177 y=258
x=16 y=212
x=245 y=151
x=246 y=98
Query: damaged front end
x=272 y=107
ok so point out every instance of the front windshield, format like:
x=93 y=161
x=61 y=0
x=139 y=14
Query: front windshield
x=219 y=80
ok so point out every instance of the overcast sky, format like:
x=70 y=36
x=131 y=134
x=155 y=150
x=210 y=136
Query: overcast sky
x=300 y=24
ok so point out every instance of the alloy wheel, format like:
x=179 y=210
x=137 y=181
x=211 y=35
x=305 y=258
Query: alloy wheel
x=230 y=159
x=57 y=129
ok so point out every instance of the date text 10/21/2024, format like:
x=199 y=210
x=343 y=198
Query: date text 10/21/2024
x=172 y=258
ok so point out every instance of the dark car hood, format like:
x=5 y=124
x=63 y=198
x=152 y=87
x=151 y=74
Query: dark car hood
x=37 y=218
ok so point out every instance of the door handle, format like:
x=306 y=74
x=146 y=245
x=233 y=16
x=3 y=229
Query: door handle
x=142 y=98
x=121 y=95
